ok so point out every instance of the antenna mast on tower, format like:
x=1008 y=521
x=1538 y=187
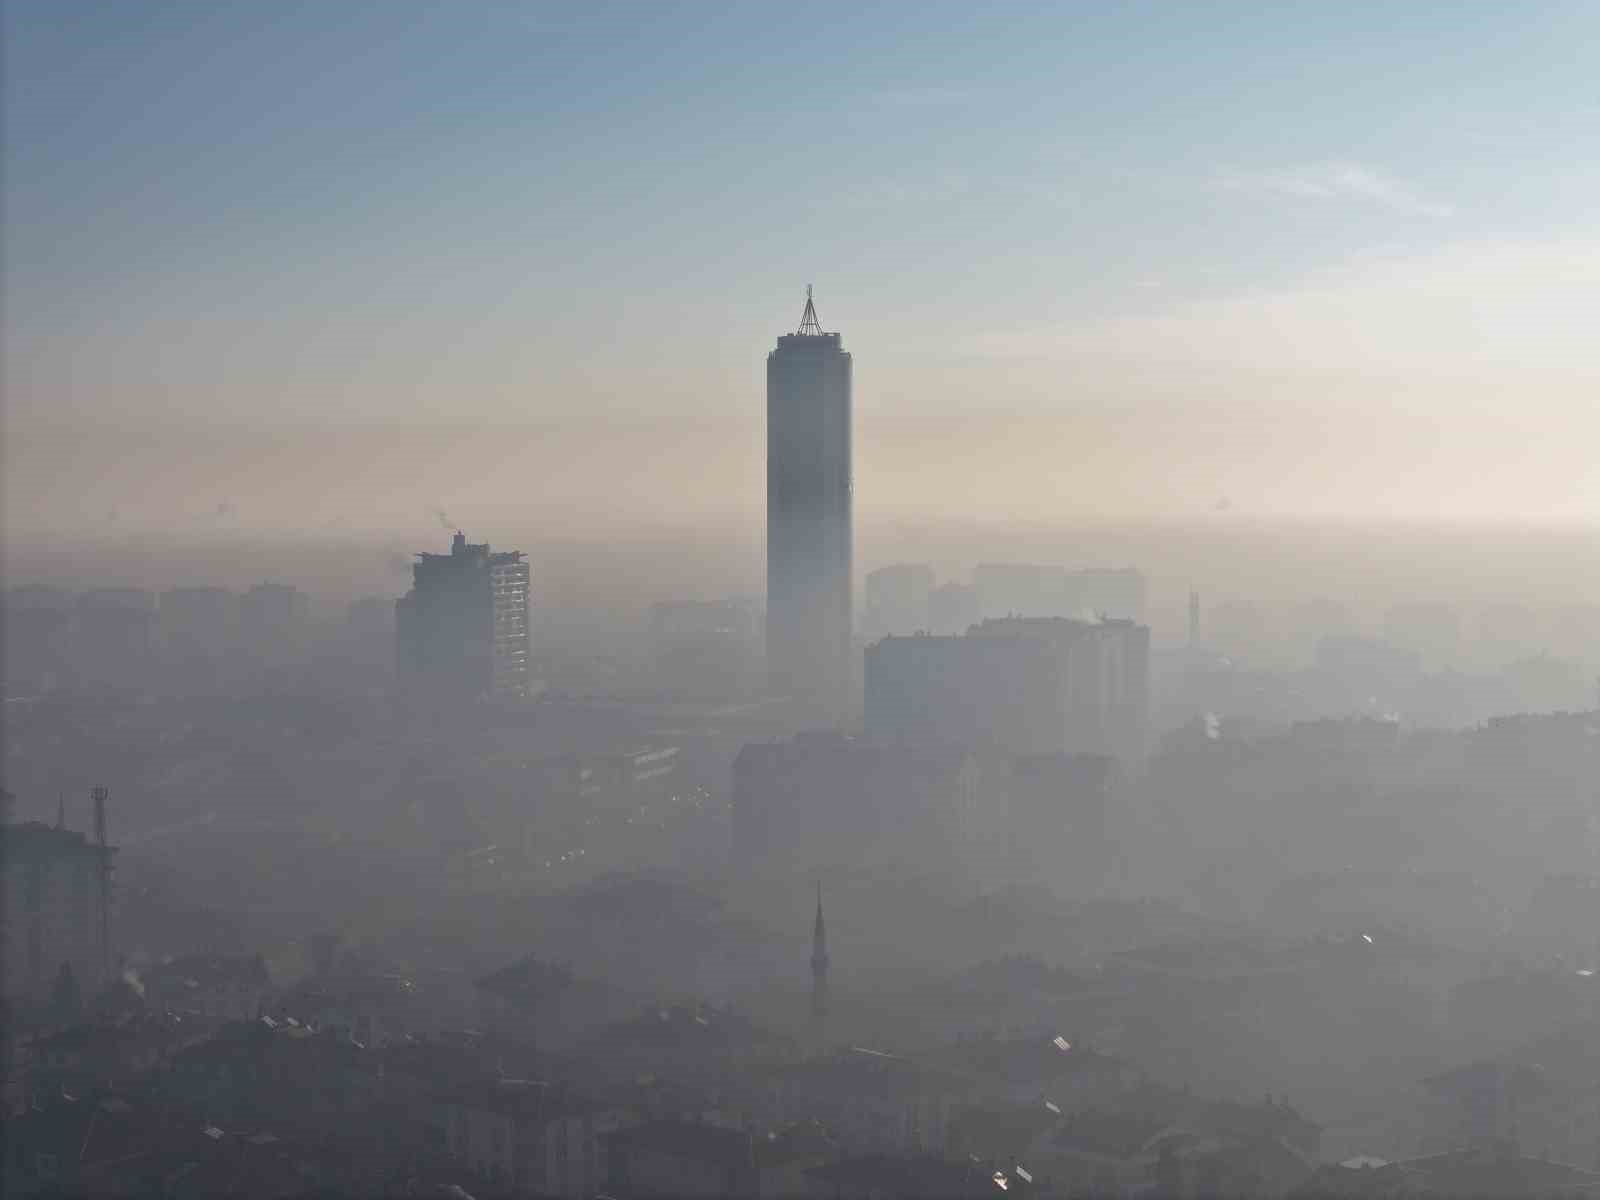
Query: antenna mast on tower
x=809 y=325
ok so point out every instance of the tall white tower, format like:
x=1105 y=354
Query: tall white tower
x=809 y=534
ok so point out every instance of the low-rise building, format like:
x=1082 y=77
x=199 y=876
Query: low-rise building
x=870 y=1100
x=688 y=1159
x=531 y=1137
x=224 y=987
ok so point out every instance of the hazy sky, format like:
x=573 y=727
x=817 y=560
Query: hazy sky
x=302 y=266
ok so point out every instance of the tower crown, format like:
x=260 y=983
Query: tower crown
x=809 y=325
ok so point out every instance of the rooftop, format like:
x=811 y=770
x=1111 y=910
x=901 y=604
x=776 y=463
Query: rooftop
x=32 y=841
x=722 y=1146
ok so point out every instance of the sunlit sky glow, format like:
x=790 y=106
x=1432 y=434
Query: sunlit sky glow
x=295 y=264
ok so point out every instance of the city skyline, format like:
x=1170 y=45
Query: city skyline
x=263 y=263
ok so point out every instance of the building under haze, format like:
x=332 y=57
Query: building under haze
x=1034 y=590
x=808 y=519
x=898 y=599
x=825 y=798
x=274 y=619
x=462 y=629
x=1040 y=685
x=56 y=913
x=113 y=637
x=706 y=650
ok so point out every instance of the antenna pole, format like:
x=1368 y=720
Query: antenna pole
x=809 y=325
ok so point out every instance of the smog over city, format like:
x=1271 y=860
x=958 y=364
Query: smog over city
x=861 y=602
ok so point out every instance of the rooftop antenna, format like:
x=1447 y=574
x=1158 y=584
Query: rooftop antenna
x=809 y=325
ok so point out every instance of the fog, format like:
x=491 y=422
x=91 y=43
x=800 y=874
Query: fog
x=510 y=690
x=1346 y=861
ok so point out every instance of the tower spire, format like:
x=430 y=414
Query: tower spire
x=809 y=325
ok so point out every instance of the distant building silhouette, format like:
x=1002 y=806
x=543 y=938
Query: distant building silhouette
x=1026 y=685
x=707 y=650
x=462 y=629
x=809 y=519
x=56 y=885
x=199 y=632
x=952 y=607
x=274 y=619
x=824 y=798
x=898 y=599
x=1033 y=590
x=198 y=621
x=113 y=637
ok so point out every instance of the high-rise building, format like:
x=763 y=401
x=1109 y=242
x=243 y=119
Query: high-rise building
x=1027 y=685
x=56 y=911
x=808 y=519
x=462 y=629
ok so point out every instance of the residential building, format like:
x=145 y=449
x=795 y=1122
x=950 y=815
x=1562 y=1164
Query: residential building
x=35 y=639
x=530 y=1137
x=706 y=650
x=1025 y=685
x=274 y=621
x=198 y=622
x=682 y=1159
x=56 y=914
x=824 y=798
x=218 y=986
x=113 y=637
x=870 y=1100
x=462 y=629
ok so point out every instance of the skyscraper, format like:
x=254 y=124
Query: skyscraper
x=462 y=630
x=808 y=519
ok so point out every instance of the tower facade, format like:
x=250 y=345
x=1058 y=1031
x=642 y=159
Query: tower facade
x=819 y=980
x=809 y=538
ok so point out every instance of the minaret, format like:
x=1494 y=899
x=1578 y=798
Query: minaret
x=819 y=979
x=1194 y=620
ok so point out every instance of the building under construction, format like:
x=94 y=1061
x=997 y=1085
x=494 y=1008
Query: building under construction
x=462 y=630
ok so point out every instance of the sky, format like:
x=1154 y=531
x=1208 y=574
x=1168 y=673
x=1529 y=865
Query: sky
x=301 y=267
